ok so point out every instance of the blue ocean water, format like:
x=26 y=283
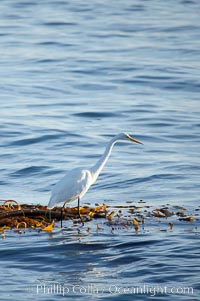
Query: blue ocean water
x=74 y=74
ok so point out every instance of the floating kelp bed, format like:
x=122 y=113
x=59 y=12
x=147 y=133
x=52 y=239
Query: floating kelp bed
x=19 y=218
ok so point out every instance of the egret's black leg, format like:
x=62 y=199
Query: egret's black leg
x=79 y=208
x=50 y=215
x=79 y=215
x=61 y=215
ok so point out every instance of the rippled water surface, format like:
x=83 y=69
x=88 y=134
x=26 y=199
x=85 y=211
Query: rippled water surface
x=74 y=74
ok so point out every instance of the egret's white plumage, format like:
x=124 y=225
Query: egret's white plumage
x=74 y=184
x=77 y=181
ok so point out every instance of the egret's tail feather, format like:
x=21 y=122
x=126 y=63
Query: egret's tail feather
x=51 y=204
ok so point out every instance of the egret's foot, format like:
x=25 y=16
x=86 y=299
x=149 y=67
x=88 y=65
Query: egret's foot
x=79 y=214
x=48 y=215
x=82 y=222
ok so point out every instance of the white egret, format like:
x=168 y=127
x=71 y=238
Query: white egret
x=76 y=182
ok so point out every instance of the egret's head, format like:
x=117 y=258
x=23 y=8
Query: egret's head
x=125 y=136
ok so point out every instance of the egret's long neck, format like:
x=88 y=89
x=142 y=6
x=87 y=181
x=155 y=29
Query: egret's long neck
x=97 y=168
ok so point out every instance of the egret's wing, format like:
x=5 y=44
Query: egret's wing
x=73 y=185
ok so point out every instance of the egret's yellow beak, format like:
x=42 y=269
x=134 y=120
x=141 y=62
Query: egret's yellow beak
x=134 y=140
